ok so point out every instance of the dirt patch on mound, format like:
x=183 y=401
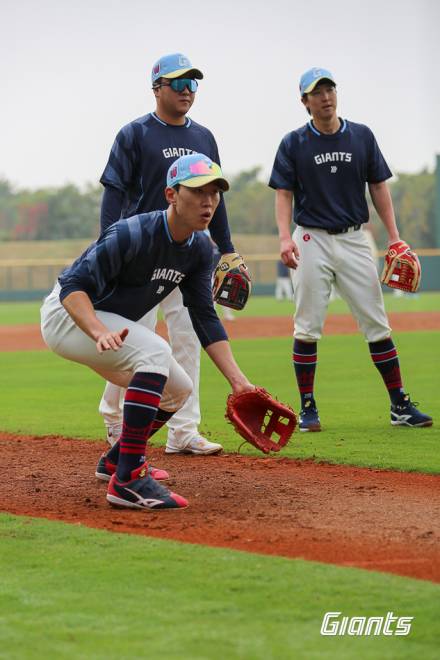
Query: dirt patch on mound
x=381 y=520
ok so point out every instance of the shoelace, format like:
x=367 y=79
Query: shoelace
x=408 y=402
x=307 y=411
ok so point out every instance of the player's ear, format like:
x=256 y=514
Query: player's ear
x=304 y=101
x=156 y=87
x=171 y=195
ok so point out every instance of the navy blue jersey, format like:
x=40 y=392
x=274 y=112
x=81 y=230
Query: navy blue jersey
x=328 y=173
x=138 y=164
x=135 y=264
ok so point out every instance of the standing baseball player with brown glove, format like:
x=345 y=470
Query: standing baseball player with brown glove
x=133 y=183
x=324 y=166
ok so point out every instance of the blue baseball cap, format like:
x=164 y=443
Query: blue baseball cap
x=312 y=77
x=173 y=66
x=194 y=171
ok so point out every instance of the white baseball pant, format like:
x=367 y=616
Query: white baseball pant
x=143 y=350
x=346 y=261
x=185 y=348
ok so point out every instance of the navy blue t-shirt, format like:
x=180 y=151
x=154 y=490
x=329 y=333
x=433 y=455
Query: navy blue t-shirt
x=138 y=164
x=135 y=264
x=328 y=173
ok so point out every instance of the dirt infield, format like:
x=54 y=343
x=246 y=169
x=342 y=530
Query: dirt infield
x=386 y=521
x=28 y=337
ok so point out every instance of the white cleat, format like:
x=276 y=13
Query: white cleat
x=197 y=445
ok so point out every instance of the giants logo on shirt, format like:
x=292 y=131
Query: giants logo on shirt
x=176 y=152
x=167 y=274
x=333 y=156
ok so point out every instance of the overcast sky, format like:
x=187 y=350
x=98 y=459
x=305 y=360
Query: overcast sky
x=73 y=72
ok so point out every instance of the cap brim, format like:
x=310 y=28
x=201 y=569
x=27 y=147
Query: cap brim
x=313 y=84
x=199 y=181
x=192 y=73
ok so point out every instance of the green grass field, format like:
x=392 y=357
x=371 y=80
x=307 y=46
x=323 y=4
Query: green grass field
x=70 y=592
x=74 y=593
x=28 y=312
x=352 y=401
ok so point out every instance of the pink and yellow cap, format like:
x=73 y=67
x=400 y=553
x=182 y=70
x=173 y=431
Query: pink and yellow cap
x=194 y=171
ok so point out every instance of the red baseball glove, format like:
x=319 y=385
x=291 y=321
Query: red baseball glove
x=401 y=268
x=257 y=416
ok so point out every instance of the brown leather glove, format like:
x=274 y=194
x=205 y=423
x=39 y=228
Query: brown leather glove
x=401 y=268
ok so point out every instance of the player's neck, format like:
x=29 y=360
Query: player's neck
x=173 y=119
x=179 y=233
x=327 y=126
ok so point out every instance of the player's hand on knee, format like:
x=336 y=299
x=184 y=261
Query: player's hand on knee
x=289 y=253
x=111 y=340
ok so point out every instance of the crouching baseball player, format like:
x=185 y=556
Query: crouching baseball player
x=91 y=318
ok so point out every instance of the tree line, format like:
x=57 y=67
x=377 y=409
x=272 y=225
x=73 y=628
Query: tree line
x=71 y=212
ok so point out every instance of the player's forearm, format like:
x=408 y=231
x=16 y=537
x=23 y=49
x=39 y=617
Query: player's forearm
x=289 y=252
x=381 y=197
x=283 y=212
x=79 y=306
x=221 y=354
x=111 y=206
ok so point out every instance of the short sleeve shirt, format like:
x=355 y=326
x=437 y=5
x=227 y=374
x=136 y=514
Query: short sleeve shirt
x=328 y=173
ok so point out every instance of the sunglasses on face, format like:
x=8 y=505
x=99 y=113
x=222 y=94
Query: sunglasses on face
x=179 y=84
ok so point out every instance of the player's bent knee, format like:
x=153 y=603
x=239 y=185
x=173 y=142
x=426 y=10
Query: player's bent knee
x=152 y=358
x=181 y=392
x=177 y=389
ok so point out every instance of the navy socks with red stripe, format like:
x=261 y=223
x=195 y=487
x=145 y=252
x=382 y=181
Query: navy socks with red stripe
x=383 y=354
x=385 y=358
x=161 y=418
x=141 y=404
x=305 y=358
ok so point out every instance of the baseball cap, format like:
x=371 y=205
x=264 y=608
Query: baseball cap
x=173 y=66
x=194 y=171
x=312 y=77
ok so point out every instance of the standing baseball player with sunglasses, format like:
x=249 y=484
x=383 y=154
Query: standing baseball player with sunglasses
x=133 y=180
x=323 y=167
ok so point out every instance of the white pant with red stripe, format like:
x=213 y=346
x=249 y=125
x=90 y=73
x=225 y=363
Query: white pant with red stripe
x=346 y=261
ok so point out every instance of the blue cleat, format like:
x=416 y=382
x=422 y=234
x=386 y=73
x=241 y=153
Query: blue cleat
x=309 y=418
x=142 y=492
x=405 y=413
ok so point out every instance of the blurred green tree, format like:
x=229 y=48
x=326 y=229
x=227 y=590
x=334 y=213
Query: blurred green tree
x=68 y=212
x=414 y=206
